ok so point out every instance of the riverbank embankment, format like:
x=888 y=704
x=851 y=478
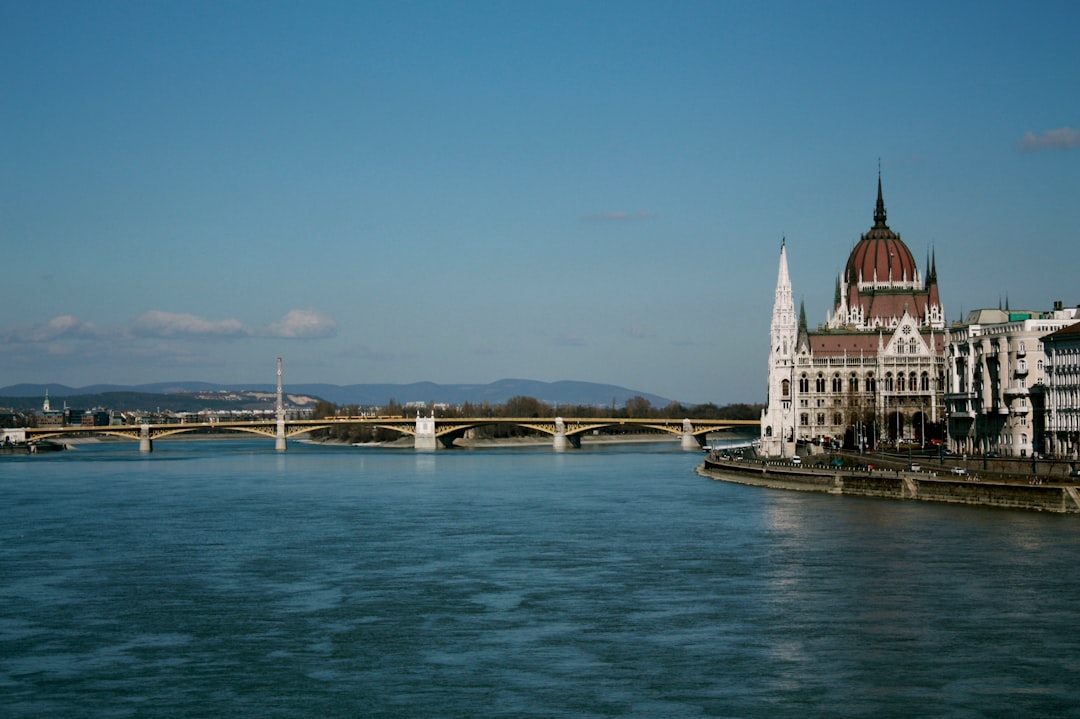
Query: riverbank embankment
x=1061 y=498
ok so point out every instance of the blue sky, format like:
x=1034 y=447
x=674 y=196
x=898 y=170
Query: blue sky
x=464 y=192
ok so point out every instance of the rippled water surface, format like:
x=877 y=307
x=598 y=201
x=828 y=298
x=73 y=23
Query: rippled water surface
x=224 y=579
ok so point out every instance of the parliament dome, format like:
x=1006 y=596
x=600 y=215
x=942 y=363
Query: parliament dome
x=880 y=255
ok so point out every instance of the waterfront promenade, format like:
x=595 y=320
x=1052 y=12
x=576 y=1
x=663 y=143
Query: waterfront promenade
x=892 y=479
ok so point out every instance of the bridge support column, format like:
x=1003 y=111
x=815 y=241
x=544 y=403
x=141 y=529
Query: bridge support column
x=561 y=443
x=425 y=433
x=689 y=441
x=145 y=443
x=279 y=438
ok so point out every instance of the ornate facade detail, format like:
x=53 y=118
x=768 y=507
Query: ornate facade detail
x=874 y=372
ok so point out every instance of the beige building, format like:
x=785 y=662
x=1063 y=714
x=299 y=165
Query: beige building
x=996 y=375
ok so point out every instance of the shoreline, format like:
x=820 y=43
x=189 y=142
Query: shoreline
x=1058 y=498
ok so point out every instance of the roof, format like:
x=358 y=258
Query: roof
x=1065 y=333
x=880 y=255
x=865 y=344
x=890 y=303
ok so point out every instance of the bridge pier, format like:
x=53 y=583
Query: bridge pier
x=561 y=442
x=279 y=438
x=689 y=440
x=424 y=439
x=145 y=443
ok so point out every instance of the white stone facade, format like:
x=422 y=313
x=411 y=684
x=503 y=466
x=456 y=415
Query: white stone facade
x=875 y=371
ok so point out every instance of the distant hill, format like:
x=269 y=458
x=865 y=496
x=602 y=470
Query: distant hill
x=562 y=393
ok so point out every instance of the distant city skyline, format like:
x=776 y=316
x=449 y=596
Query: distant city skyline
x=466 y=192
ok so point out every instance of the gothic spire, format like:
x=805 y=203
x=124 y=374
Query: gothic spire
x=879 y=209
x=784 y=325
x=783 y=278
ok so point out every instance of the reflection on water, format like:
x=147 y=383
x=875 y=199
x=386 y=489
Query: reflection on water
x=228 y=579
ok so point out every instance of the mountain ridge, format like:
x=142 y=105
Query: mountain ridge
x=569 y=392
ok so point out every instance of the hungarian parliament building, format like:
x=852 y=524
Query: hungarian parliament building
x=886 y=370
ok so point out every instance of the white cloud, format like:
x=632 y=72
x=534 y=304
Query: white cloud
x=303 y=324
x=1064 y=138
x=153 y=334
x=62 y=327
x=178 y=324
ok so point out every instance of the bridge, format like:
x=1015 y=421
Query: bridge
x=429 y=433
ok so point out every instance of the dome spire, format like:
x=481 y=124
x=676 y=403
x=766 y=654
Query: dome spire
x=879 y=209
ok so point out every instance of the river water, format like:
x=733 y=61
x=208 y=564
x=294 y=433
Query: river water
x=225 y=579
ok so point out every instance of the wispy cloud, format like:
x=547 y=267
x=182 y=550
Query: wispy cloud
x=638 y=332
x=62 y=327
x=303 y=324
x=177 y=324
x=157 y=324
x=570 y=340
x=618 y=216
x=1065 y=138
x=295 y=324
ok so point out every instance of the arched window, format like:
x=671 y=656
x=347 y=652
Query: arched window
x=837 y=383
x=900 y=384
x=804 y=419
x=785 y=388
x=888 y=382
x=821 y=418
x=838 y=418
x=853 y=383
x=819 y=384
x=924 y=382
x=804 y=383
x=871 y=383
x=911 y=382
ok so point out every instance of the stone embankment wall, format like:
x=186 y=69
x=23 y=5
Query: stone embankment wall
x=893 y=484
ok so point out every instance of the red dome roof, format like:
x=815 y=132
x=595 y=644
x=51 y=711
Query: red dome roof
x=880 y=255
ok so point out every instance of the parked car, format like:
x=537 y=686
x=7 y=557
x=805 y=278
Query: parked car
x=959 y=470
x=1074 y=474
x=796 y=459
x=914 y=467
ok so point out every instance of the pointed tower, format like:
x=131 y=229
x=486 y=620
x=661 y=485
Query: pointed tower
x=783 y=328
x=777 y=419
